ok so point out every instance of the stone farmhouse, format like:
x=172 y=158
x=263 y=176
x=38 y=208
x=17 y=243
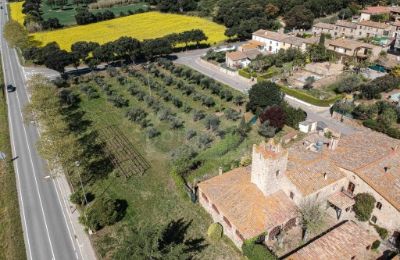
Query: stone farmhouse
x=353 y=48
x=265 y=196
x=358 y=30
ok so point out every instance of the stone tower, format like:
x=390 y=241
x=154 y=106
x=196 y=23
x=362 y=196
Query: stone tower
x=268 y=167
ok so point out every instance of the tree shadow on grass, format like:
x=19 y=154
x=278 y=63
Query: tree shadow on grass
x=175 y=233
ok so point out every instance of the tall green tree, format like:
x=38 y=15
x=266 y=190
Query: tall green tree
x=263 y=94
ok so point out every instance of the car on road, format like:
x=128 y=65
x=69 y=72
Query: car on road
x=10 y=88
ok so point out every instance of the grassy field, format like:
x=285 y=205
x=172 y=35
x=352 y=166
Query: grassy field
x=12 y=241
x=66 y=16
x=16 y=12
x=143 y=26
x=153 y=197
x=148 y=25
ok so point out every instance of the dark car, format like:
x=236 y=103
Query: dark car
x=10 y=88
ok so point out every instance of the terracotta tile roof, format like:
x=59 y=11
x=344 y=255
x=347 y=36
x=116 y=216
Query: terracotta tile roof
x=236 y=55
x=249 y=46
x=310 y=176
x=341 y=200
x=275 y=36
x=349 y=44
x=343 y=23
x=374 y=24
x=376 y=10
x=343 y=242
x=325 y=26
x=252 y=54
x=244 y=205
x=257 y=43
x=367 y=153
x=297 y=41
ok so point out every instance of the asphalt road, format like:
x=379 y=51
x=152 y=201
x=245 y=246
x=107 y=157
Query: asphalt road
x=192 y=59
x=47 y=232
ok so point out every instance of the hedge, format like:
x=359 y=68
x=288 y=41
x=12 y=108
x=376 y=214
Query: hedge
x=244 y=73
x=180 y=184
x=255 y=251
x=310 y=99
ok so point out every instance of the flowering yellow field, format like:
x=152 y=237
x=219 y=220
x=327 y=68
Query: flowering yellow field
x=16 y=12
x=140 y=26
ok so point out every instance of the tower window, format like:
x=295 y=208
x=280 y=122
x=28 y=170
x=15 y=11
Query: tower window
x=277 y=173
x=291 y=195
x=379 y=205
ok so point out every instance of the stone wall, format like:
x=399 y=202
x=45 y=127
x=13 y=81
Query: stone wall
x=229 y=231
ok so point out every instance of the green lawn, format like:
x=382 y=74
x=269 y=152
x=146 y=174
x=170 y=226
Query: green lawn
x=12 y=241
x=66 y=16
x=153 y=197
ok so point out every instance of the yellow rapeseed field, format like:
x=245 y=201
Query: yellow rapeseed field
x=148 y=25
x=16 y=12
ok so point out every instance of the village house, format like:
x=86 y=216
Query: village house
x=373 y=29
x=374 y=10
x=357 y=30
x=248 y=201
x=353 y=48
x=265 y=42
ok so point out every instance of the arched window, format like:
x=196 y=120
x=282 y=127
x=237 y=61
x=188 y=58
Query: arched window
x=277 y=173
x=379 y=205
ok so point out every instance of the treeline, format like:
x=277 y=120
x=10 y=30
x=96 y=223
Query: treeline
x=125 y=49
x=81 y=156
x=242 y=17
x=83 y=16
x=33 y=17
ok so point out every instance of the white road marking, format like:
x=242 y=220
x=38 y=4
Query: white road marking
x=33 y=167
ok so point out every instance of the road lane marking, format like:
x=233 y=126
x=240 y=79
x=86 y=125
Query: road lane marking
x=11 y=130
x=31 y=160
x=58 y=196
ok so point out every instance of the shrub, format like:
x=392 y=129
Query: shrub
x=176 y=102
x=382 y=232
x=215 y=231
x=212 y=122
x=256 y=251
x=231 y=114
x=204 y=141
x=152 y=132
x=175 y=122
x=78 y=198
x=208 y=101
x=103 y=212
x=364 y=206
x=118 y=101
x=190 y=134
x=198 y=115
x=180 y=184
x=376 y=244
x=266 y=130
x=136 y=114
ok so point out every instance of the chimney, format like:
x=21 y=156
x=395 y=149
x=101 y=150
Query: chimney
x=220 y=171
x=325 y=175
x=386 y=168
